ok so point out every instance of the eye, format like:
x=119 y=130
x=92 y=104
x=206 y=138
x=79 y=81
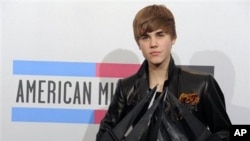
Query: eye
x=160 y=34
x=145 y=37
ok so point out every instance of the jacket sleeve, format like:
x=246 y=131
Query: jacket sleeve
x=215 y=109
x=114 y=113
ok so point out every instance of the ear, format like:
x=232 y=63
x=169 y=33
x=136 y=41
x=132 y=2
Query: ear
x=173 y=41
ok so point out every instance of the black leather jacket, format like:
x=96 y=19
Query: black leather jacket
x=210 y=110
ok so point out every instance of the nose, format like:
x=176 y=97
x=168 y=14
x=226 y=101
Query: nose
x=153 y=42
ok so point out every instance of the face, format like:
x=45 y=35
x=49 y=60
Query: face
x=156 y=47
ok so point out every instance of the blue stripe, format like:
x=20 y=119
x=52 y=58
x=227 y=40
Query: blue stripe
x=24 y=114
x=21 y=67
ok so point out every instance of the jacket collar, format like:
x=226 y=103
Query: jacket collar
x=143 y=70
x=142 y=83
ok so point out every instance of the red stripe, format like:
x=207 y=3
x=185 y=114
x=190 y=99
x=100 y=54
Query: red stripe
x=115 y=70
x=98 y=116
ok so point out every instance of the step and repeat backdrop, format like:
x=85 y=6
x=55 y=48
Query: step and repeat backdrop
x=61 y=59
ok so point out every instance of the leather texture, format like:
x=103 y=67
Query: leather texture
x=210 y=110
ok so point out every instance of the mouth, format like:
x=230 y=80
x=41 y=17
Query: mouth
x=154 y=53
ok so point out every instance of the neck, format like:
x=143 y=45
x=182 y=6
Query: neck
x=158 y=75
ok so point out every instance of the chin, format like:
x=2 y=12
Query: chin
x=156 y=63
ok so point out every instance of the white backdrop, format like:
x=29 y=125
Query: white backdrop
x=92 y=32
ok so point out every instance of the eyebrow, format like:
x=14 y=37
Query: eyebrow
x=147 y=33
x=160 y=32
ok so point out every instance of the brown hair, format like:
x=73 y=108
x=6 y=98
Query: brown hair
x=151 y=18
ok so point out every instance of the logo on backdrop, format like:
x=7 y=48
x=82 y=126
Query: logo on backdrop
x=66 y=91
x=63 y=91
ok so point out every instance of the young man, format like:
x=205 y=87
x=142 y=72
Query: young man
x=155 y=34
